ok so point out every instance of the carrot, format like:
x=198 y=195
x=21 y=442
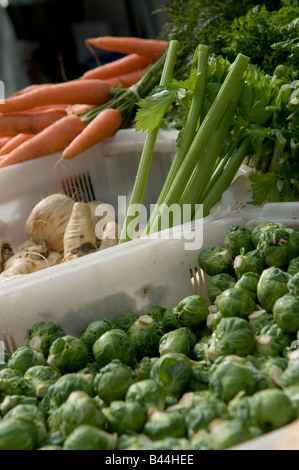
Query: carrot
x=28 y=123
x=4 y=140
x=73 y=92
x=79 y=108
x=54 y=138
x=28 y=88
x=126 y=64
x=126 y=79
x=103 y=125
x=129 y=45
x=14 y=142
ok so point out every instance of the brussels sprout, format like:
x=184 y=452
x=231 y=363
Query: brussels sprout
x=291 y=375
x=203 y=413
x=238 y=237
x=192 y=311
x=90 y=369
x=213 y=319
x=8 y=373
x=271 y=409
x=232 y=335
x=113 y=381
x=88 y=437
x=172 y=370
x=228 y=379
x=79 y=408
x=65 y=385
x=93 y=331
x=163 y=424
x=144 y=336
x=215 y=260
x=67 y=354
x=143 y=367
x=202 y=440
x=272 y=285
x=10 y=401
x=286 y=313
x=125 y=417
x=256 y=231
x=114 y=344
x=293 y=267
x=170 y=443
x=249 y=261
x=26 y=357
x=248 y=282
x=41 y=377
x=235 y=302
x=124 y=320
x=229 y=433
x=178 y=340
x=278 y=245
x=259 y=319
x=293 y=284
x=133 y=442
x=239 y=407
x=15 y=386
x=218 y=283
x=157 y=313
x=35 y=420
x=42 y=335
x=16 y=434
x=200 y=349
x=282 y=339
x=199 y=378
x=170 y=321
x=51 y=447
x=147 y=393
x=266 y=345
x=292 y=392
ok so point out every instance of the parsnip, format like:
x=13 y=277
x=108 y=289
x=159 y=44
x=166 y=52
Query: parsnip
x=79 y=237
x=6 y=252
x=110 y=235
x=48 y=220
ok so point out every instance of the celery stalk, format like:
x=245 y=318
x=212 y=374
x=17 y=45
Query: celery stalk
x=147 y=154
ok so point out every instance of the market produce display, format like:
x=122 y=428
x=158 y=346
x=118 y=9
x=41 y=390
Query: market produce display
x=58 y=230
x=197 y=375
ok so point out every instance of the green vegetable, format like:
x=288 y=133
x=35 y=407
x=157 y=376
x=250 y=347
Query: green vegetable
x=192 y=311
x=59 y=392
x=68 y=354
x=272 y=285
x=114 y=344
x=42 y=334
x=203 y=413
x=293 y=284
x=291 y=375
x=200 y=348
x=292 y=393
x=41 y=377
x=93 y=331
x=232 y=335
x=144 y=335
x=26 y=357
x=170 y=321
x=248 y=282
x=148 y=393
x=293 y=267
x=217 y=284
x=16 y=434
x=157 y=312
x=236 y=302
x=15 y=385
x=178 y=340
x=249 y=261
x=35 y=420
x=88 y=437
x=278 y=245
x=202 y=440
x=199 y=378
x=259 y=319
x=238 y=237
x=271 y=409
x=229 y=433
x=228 y=379
x=124 y=320
x=125 y=417
x=163 y=424
x=172 y=371
x=215 y=260
x=286 y=313
x=79 y=408
x=10 y=401
x=143 y=367
x=113 y=381
x=256 y=231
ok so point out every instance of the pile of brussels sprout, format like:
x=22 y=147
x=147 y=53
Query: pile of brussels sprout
x=195 y=376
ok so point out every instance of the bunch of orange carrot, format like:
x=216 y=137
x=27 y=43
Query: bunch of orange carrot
x=43 y=119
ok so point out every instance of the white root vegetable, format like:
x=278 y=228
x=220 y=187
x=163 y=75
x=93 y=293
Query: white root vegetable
x=6 y=252
x=79 y=237
x=20 y=267
x=110 y=235
x=48 y=220
x=30 y=250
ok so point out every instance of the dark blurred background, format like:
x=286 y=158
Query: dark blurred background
x=42 y=41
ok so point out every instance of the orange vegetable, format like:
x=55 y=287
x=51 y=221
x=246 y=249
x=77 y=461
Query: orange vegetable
x=126 y=79
x=4 y=140
x=73 y=92
x=28 y=123
x=127 y=64
x=14 y=142
x=129 y=45
x=54 y=138
x=103 y=125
